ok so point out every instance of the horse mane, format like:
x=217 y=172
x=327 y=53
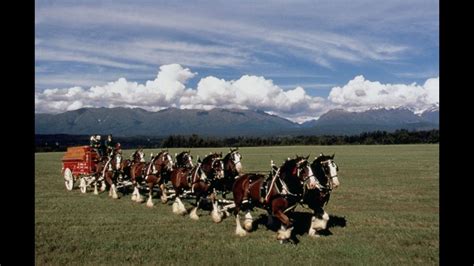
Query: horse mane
x=210 y=157
x=180 y=155
x=287 y=174
x=289 y=165
x=179 y=158
x=227 y=156
x=135 y=153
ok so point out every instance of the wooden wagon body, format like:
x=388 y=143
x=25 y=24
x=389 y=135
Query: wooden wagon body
x=78 y=163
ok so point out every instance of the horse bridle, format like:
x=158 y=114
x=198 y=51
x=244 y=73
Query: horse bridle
x=233 y=155
x=199 y=168
x=304 y=181
x=168 y=157
x=328 y=175
x=138 y=155
x=221 y=164
x=189 y=159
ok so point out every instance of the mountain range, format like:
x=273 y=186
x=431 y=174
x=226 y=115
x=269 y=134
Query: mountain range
x=227 y=122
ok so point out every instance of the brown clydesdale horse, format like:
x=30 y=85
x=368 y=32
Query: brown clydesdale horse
x=181 y=179
x=99 y=173
x=203 y=177
x=108 y=168
x=325 y=170
x=232 y=170
x=278 y=196
x=136 y=173
x=159 y=166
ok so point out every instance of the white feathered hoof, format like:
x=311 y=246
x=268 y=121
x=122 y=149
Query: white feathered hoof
x=149 y=203
x=316 y=225
x=284 y=234
x=134 y=197
x=114 y=192
x=181 y=210
x=248 y=222
x=102 y=187
x=175 y=207
x=313 y=233
x=326 y=216
x=216 y=216
x=193 y=215
x=96 y=192
x=140 y=199
x=164 y=198
x=238 y=228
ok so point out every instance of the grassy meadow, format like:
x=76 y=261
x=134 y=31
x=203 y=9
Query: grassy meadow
x=388 y=201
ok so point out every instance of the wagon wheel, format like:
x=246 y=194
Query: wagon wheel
x=68 y=179
x=83 y=185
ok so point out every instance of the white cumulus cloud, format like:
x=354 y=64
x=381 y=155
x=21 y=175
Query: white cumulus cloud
x=169 y=89
x=360 y=94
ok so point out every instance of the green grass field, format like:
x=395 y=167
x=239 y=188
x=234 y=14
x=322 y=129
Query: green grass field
x=389 y=198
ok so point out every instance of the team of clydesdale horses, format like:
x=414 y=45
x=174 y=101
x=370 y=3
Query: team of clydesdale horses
x=296 y=181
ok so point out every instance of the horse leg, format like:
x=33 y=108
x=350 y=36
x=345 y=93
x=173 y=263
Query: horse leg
x=178 y=207
x=216 y=214
x=135 y=191
x=269 y=219
x=149 y=203
x=106 y=178
x=248 y=221
x=103 y=183
x=164 y=196
x=238 y=228
x=193 y=215
x=96 y=191
x=136 y=196
x=113 y=188
x=286 y=227
x=319 y=222
x=103 y=186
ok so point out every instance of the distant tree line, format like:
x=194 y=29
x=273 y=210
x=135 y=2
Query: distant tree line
x=368 y=138
x=60 y=142
x=45 y=143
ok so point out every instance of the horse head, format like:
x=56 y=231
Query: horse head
x=232 y=161
x=213 y=164
x=184 y=159
x=138 y=156
x=326 y=171
x=165 y=160
x=297 y=173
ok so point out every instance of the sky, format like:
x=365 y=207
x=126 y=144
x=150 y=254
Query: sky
x=296 y=59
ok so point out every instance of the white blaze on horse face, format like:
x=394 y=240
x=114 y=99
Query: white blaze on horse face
x=142 y=156
x=236 y=159
x=312 y=178
x=220 y=173
x=190 y=161
x=118 y=160
x=170 y=162
x=333 y=174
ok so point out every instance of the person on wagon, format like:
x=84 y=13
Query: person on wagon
x=95 y=144
x=109 y=145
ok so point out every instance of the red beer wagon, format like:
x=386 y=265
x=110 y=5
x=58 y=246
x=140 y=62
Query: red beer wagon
x=79 y=163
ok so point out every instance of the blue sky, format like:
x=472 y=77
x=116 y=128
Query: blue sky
x=316 y=45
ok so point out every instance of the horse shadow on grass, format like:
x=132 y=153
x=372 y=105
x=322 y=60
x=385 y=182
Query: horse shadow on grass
x=301 y=224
